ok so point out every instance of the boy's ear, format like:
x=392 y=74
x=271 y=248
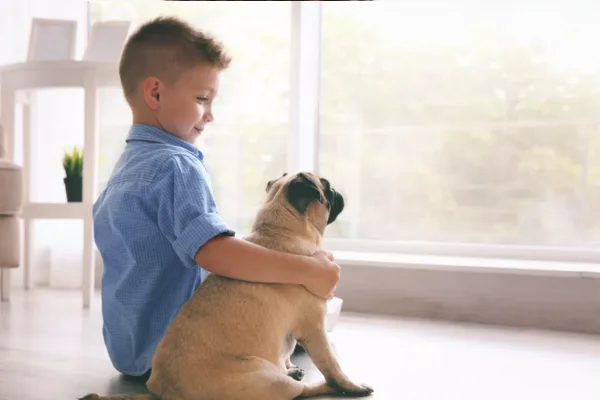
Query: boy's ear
x=151 y=92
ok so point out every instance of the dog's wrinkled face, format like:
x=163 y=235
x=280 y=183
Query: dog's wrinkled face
x=305 y=189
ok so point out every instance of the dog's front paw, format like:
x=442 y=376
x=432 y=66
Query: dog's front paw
x=353 y=390
x=362 y=391
x=296 y=373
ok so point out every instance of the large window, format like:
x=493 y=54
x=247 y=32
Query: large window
x=247 y=144
x=451 y=121
x=442 y=122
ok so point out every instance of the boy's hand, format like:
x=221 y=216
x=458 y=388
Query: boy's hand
x=324 y=276
x=239 y=259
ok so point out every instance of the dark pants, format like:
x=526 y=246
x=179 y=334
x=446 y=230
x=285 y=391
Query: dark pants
x=141 y=378
x=298 y=349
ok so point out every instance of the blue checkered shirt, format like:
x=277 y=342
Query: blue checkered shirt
x=156 y=211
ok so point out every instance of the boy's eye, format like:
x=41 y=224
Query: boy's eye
x=202 y=99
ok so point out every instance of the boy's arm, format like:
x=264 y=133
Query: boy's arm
x=187 y=215
x=239 y=259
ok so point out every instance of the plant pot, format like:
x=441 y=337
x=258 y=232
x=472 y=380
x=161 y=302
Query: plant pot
x=74 y=188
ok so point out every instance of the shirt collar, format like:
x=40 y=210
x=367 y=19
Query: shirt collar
x=147 y=133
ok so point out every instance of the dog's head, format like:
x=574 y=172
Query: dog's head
x=309 y=196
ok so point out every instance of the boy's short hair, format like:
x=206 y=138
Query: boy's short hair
x=163 y=47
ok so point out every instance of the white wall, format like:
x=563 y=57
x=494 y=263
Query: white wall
x=57 y=124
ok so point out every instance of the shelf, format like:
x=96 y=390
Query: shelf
x=53 y=211
x=58 y=74
x=28 y=76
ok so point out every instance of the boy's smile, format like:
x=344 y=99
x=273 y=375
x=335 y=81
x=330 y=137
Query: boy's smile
x=182 y=106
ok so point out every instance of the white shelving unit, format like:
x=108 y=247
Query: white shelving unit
x=36 y=75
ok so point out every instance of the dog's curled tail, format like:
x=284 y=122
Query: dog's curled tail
x=121 y=397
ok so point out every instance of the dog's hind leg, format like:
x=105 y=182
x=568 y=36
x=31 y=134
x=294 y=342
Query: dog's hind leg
x=263 y=385
x=258 y=379
x=314 y=340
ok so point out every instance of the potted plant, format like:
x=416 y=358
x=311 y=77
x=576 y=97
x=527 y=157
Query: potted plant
x=73 y=165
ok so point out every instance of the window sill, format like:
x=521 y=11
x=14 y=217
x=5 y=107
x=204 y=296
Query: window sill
x=467 y=264
x=529 y=294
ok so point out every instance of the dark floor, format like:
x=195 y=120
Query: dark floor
x=52 y=349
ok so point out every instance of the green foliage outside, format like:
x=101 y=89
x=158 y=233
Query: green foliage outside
x=481 y=139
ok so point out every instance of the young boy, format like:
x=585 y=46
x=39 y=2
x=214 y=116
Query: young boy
x=156 y=224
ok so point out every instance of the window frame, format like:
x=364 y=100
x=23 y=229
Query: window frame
x=306 y=25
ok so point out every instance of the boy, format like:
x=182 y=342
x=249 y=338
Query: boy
x=156 y=223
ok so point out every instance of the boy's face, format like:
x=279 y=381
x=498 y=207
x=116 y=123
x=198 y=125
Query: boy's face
x=184 y=107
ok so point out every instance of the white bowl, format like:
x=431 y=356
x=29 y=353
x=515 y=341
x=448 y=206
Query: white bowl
x=334 y=308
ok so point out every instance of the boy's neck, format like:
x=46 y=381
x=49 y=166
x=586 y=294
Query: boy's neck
x=150 y=120
x=145 y=120
x=153 y=123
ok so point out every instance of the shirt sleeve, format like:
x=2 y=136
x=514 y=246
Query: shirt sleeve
x=186 y=210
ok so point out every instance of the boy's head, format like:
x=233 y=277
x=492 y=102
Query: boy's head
x=170 y=76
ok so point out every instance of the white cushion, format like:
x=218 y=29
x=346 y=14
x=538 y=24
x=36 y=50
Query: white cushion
x=10 y=243
x=11 y=188
x=2 y=143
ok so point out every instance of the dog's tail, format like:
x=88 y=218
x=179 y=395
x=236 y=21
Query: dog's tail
x=94 y=396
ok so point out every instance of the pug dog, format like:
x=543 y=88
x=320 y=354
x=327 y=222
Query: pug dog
x=233 y=339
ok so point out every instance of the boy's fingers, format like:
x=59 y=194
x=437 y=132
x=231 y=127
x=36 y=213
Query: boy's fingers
x=329 y=256
x=332 y=293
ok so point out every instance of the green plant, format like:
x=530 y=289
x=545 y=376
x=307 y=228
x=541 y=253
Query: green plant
x=73 y=162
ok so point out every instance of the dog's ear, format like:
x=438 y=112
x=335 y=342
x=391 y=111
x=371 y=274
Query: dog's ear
x=335 y=200
x=270 y=183
x=301 y=192
x=336 y=206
